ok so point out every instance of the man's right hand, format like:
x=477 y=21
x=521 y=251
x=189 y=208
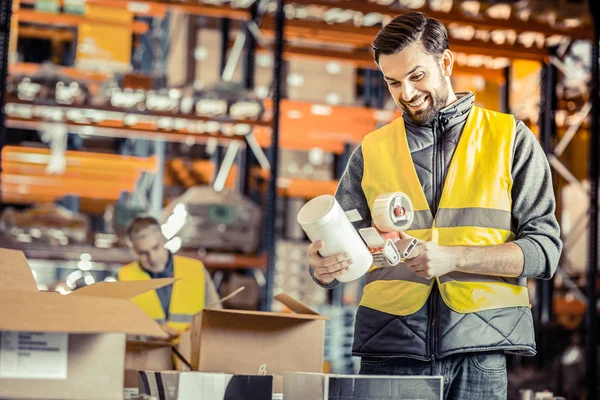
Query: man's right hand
x=327 y=269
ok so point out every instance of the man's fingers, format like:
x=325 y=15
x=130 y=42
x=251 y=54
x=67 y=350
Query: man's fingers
x=331 y=276
x=413 y=263
x=329 y=261
x=327 y=269
x=313 y=248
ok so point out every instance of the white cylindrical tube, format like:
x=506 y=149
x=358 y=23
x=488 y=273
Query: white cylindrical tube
x=323 y=219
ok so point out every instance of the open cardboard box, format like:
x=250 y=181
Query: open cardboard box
x=240 y=342
x=66 y=347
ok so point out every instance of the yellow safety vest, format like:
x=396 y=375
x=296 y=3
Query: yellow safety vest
x=187 y=297
x=474 y=210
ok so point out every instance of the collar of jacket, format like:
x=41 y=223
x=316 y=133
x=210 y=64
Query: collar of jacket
x=451 y=115
x=168 y=272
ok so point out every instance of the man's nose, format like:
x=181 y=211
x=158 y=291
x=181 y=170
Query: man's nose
x=408 y=92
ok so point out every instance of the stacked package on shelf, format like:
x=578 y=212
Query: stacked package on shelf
x=339 y=331
x=321 y=82
x=313 y=164
x=291 y=274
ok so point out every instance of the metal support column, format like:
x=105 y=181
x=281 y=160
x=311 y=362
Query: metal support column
x=545 y=288
x=368 y=88
x=5 y=14
x=591 y=342
x=341 y=161
x=271 y=208
x=548 y=132
x=505 y=93
x=192 y=43
x=224 y=43
x=247 y=159
x=249 y=55
x=380 y=91
x=157 y=191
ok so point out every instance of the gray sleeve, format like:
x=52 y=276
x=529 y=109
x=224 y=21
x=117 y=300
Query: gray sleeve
x=533 y=215
x=350 y=195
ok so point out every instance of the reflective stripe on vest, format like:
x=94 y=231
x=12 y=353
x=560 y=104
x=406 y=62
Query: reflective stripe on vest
x=187 y=296
x=181 y=318
x=474 y=210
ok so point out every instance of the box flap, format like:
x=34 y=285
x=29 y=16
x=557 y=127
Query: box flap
x=267 y=314
x=122 y=289
x=50 y=312
x=15 y=272
x=295 y=305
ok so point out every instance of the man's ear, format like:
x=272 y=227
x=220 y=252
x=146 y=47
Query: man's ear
x=447 y=62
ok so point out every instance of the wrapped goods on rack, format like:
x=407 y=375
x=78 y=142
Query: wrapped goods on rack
x=49 y=223
x=226 y=99
x=49 y=84
x=134 y=102
x=291 y=275
x=203 y=218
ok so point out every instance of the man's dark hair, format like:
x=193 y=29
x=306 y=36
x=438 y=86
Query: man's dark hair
x=410 y=28
x=139 y=224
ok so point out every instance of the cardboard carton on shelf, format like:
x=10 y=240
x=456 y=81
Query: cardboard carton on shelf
x=317 y=386
x=246 y=342
x=66 y=347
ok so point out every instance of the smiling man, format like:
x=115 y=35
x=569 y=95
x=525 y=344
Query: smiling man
x=484 y=213
x=172 y=306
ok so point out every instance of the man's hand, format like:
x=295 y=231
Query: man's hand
x=326 y=269
x=170 y=331
x=430 y=260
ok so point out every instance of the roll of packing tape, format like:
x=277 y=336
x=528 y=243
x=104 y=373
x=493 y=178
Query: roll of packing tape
x=393 y=212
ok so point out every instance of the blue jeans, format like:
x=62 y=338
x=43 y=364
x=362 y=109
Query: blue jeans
x=470 y=376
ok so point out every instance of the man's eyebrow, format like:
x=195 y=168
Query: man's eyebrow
x=387 y=78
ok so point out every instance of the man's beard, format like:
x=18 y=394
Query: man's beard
x=438 y=101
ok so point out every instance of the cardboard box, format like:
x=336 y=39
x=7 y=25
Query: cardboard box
x=66 y=347
x=240 y=342
x=173 y=385
x=307 y=386
x=184 y=347
x=141 y=355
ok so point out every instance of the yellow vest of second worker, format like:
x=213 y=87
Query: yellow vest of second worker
x=474 y=210
x=187 y=297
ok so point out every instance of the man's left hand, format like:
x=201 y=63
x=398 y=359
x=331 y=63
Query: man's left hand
x=430 y=260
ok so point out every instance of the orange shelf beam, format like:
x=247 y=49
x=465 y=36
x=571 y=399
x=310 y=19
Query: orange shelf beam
x=305 y=188
x=31 y=69
x=80 y=160
x=59 y=186
x=158 y=9
x=26 y=169
x=37 y=17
